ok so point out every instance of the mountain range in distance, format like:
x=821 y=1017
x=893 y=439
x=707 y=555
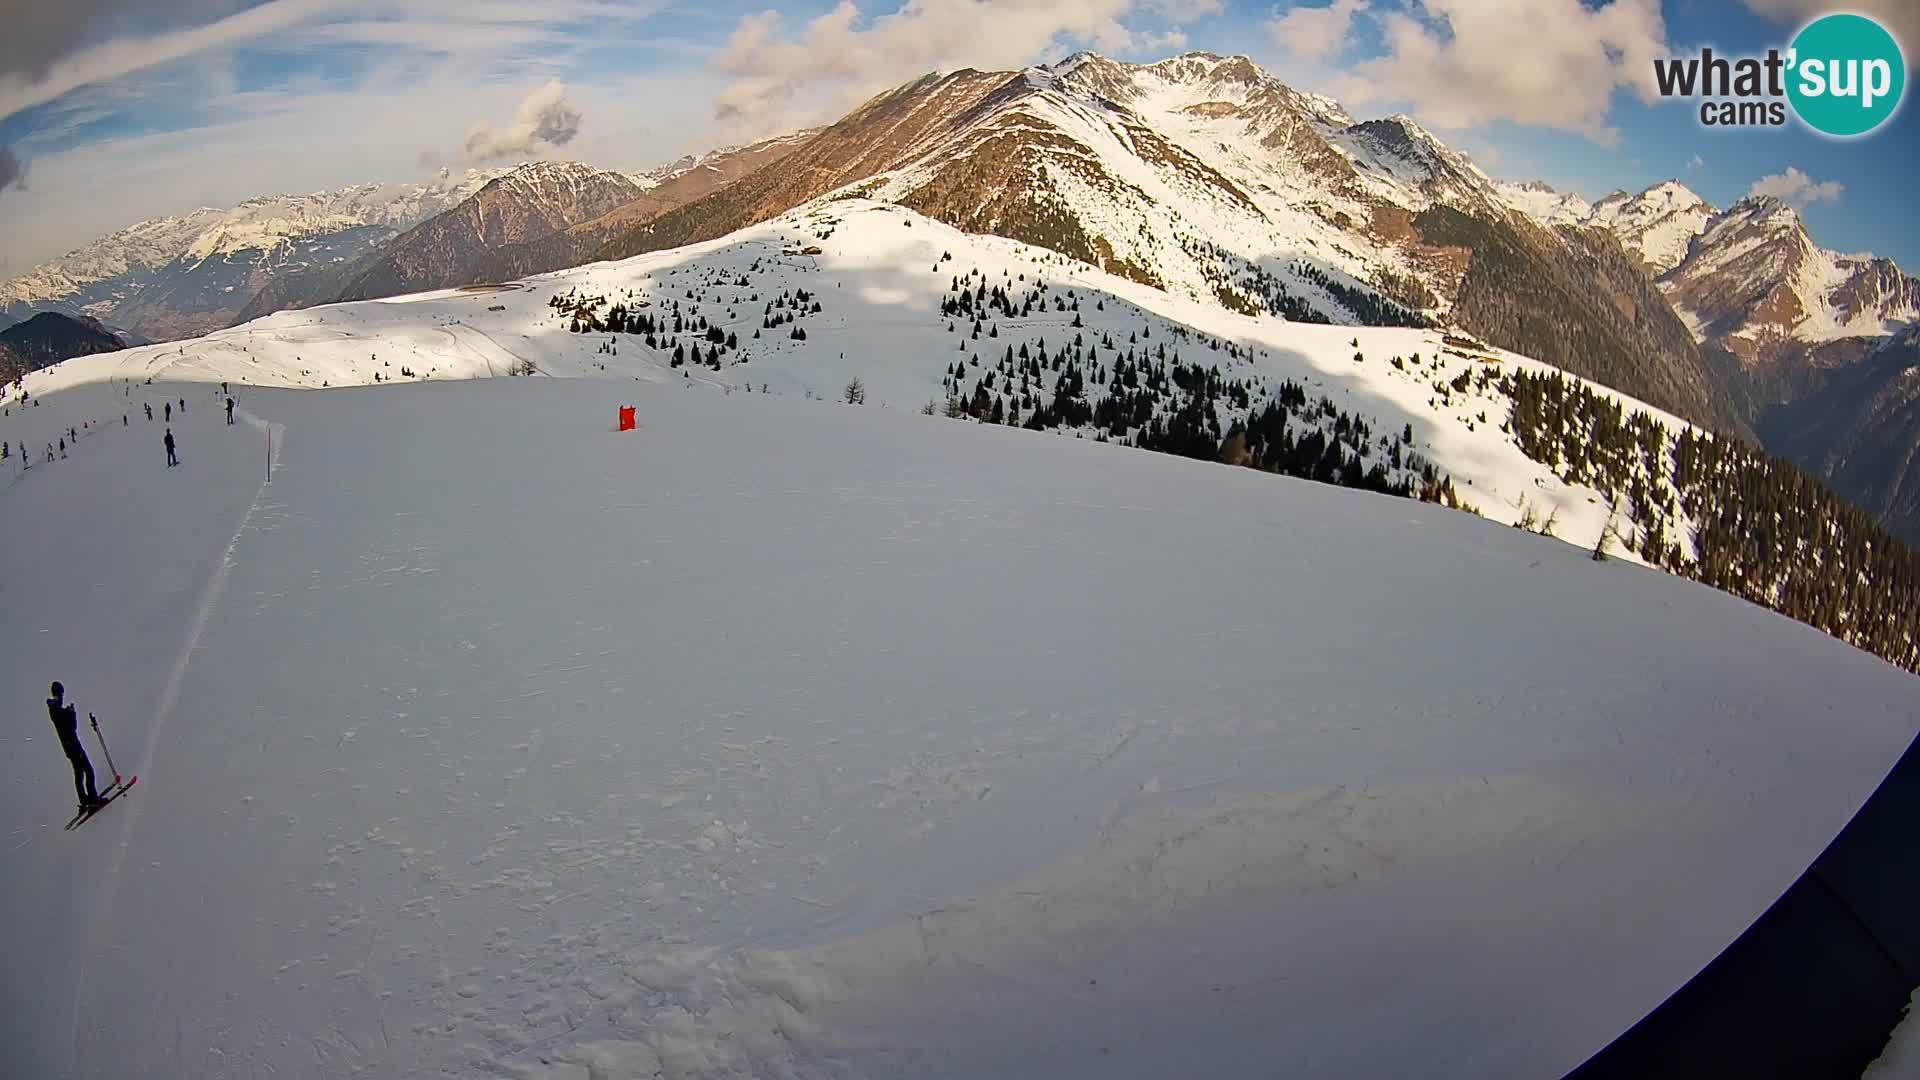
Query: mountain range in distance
x=1200 y=175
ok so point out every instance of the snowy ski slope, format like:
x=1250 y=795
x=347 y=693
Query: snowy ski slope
x=789 y=738
x=880 y=274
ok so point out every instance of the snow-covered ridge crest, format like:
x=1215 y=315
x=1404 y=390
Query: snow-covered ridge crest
x=1743 y=274
x=881 y=274
x=259 y=223
x=1659 y=223
x=1754 y=273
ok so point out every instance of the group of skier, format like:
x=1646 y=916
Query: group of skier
x=66 y=719
x=167 y=440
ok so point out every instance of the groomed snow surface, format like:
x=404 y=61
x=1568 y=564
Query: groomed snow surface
x=790 y=738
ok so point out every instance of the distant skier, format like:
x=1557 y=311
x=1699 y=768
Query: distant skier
x=171 y=459
x=169 y=406
x=229 y=412
x=223 y=388
x=63 y=449
x=183 y=406
x=149 y=408
x=66 y=722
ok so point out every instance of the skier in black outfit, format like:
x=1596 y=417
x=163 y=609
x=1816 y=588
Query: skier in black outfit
x=171 y=459
x=169 y=412
x=66 y=722
x=229 y=412
x=149 y=406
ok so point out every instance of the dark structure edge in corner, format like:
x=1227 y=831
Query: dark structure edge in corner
x=1816 y=985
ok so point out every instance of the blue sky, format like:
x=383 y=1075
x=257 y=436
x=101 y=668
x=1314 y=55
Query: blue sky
x=124 y=109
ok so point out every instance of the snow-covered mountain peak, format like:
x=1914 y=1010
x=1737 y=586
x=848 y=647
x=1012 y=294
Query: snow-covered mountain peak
x=1398 y=147
x=1201 y=81
x=1755 y=274
x=1539 y=200
x=1755 y=221
x=262 y=224
x=1207 y=67
x=1765 y=211
x=546 y=178
x=1674 y=194
x=1658 y=224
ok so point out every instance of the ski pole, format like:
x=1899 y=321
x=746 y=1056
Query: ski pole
x=103 y=746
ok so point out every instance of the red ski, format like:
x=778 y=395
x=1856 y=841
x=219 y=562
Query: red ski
x=106 y=797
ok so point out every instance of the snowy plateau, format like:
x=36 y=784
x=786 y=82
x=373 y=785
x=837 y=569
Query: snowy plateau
x=787 y=737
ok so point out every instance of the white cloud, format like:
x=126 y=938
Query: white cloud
x=842 y=57
x=1696 y=162
x=473 y=28
x=310 y=136
x=1901 y=17
x=1549 y=63
x=1797 y=188
x=544 y=120
x=1315 y=33
x=425 y=67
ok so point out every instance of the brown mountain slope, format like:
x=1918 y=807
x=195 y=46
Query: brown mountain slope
x=1577 y=300
x=887 y=132
x=532 y=201
x=582 y=241
x=1204 y=175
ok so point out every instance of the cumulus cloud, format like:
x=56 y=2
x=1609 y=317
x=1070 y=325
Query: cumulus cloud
x=13 y=171
x=544 y=120
x=1550 y=63
x=841 y=56
x=1797 y=188
x=1315 y=33
x=1901 y=17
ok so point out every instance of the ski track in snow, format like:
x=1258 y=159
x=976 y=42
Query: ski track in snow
x=209 y=596
x=787 y=739
x=781 y=738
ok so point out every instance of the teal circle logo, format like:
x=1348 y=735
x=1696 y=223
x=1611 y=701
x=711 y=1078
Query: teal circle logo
x=1846 y=75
